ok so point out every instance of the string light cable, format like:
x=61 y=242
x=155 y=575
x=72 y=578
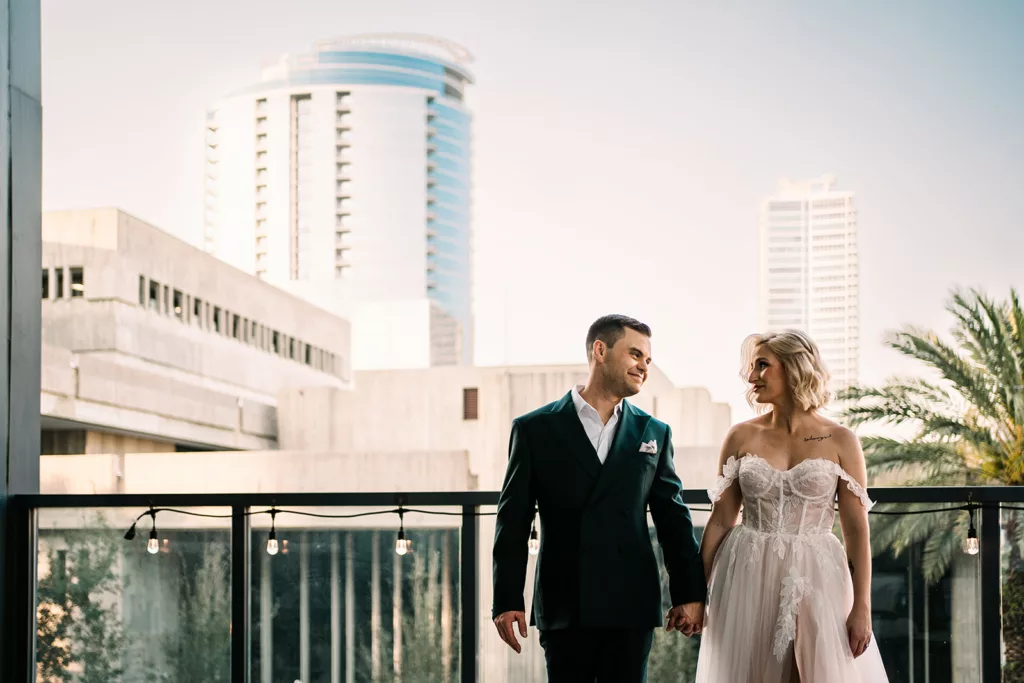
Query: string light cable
x=404 y=545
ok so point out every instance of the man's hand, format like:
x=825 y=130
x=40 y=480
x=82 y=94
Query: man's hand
x=688 y=619
x=504 y=623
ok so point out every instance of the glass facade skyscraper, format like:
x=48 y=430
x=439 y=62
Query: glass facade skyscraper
x=344 y=176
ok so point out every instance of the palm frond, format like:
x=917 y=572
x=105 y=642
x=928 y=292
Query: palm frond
x=940 y=548
x=985 y=330
x=967 y=380
x=899 y=400
x=899 y=533
x=884 y=455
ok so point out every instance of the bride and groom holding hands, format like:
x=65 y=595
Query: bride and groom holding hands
x=774 y=596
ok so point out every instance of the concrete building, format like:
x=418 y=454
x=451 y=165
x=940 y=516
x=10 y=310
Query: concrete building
x=150 y=344
x=344 y=176
x=471 y=409
x=809 y=271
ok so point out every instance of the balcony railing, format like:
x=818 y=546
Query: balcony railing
x=195 y=595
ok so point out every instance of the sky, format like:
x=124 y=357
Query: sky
x=620 y=149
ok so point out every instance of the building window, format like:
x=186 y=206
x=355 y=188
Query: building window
x=142 y=290
x=77 y=282
x=179 y=305
x=59 y=283
x=217 y=322
x=167 y=299
x=470 y=403
x=276 y=343
x=291 y=348
x=154 y=296
x=236 y=331
x=309 y=355
x=197 y=312
x=46 y=283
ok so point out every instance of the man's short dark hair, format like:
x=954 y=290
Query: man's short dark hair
x=611 y=328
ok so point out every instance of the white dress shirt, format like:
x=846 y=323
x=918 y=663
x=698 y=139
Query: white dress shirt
x=600 y=434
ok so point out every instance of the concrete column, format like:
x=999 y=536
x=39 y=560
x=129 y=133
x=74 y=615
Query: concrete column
x=375 y=608
x=446 y=605
x=335 y=609
x=304 y=669
x=21 y=130
x=396 y=617
x=350 y=610
x=266 y=621
x=21 y=247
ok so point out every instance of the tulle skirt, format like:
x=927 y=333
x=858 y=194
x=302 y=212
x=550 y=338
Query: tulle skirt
x=776 y=613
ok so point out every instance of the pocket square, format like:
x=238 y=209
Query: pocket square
x=649 y=447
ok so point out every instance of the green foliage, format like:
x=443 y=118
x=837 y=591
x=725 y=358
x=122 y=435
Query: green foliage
x=78 y=622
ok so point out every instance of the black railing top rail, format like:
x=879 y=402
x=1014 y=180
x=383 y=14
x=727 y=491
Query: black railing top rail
x=980 y=495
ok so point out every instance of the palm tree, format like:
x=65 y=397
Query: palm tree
x=968 y=429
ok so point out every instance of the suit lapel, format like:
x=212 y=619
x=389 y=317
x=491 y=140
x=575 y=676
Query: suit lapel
x=625 y=445
x=576 y=437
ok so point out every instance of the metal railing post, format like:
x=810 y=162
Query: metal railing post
x=470 y=593
x=241 y=578
x=991 y=595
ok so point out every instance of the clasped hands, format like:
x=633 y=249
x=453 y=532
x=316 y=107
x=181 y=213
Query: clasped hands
x=688 y=619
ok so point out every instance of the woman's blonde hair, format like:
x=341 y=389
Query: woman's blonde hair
x=805 y=372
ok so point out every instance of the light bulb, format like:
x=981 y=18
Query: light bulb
x=153 y=547
x=972 y=546
x=272 y=547
x=401 y=545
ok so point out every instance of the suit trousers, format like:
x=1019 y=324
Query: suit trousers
x=599 y=655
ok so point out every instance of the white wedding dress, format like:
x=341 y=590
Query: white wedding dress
x=780 y=589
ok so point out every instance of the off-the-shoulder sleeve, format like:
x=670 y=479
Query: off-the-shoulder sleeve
x=730 y=471
x=855 y=487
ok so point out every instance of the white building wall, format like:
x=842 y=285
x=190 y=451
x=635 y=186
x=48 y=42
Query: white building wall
x=389 y=132
x=231 y=184
x=423 y=409
x=809 y=270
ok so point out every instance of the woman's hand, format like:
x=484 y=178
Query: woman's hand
x=858 y=628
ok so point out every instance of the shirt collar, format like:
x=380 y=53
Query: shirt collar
x=582 y=405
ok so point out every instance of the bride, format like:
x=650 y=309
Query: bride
x=785 y=604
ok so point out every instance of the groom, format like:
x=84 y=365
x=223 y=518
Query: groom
x=592 y=464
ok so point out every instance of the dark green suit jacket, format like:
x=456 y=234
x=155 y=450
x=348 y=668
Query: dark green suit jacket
x=597 y=567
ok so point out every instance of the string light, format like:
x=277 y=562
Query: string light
x=971 y=545
x=130 y=534
x=401 y=545
x=534 y=544
x=153 y=546
x=272 y=547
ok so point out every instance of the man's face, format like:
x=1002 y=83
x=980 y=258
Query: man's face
x=625 y=365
